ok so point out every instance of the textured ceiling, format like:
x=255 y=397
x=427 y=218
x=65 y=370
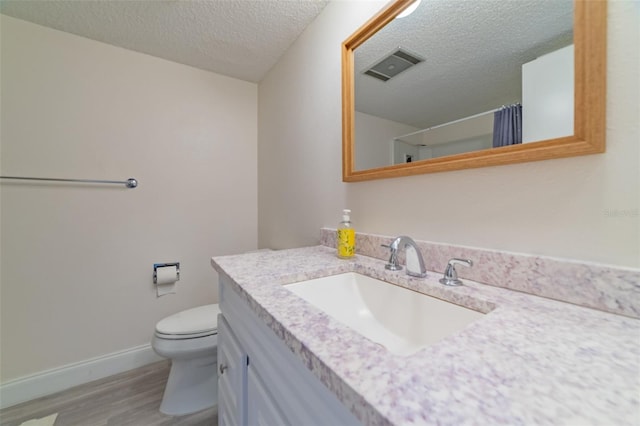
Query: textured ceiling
x=473 y=53
x=238 y=38
x=473 y=49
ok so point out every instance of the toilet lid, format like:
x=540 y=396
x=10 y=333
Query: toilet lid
x=197 y=320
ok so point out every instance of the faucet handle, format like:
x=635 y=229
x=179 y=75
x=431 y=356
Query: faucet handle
x=450 y=274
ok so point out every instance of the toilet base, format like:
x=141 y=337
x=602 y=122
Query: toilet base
x=192 y=386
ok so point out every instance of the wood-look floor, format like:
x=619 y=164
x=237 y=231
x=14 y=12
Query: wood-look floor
x=130 y=398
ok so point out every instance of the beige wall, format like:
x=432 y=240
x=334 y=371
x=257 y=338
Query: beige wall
x=467 y=129
x=77 y=261
x=374 y=140
x=299 y=113
x=478 y=143
x=472 y=134
x=582 y=208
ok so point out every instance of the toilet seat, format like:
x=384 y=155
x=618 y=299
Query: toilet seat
x=189 y=324
x=186 y=336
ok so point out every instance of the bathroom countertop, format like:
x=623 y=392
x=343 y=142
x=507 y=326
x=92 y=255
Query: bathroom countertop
x=529 y=360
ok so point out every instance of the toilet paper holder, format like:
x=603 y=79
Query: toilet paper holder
x=162 y=265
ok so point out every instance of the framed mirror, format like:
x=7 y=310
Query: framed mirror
x=430 y=92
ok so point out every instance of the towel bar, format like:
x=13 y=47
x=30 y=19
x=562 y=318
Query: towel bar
x=129 y=183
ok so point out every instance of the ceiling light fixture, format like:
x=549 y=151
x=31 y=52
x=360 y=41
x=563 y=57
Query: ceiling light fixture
x=409 y=10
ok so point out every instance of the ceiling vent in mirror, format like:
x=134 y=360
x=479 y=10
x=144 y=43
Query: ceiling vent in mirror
x=393 y=65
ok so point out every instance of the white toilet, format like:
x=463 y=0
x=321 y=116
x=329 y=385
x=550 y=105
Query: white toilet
x=190 y=339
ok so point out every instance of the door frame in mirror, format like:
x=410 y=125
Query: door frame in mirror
x=590 y=44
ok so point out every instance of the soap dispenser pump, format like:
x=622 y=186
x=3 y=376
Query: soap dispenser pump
x=346 y=237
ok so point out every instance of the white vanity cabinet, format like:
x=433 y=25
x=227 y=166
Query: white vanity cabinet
x=262 y=382
x=262 y=409
x=232 y=380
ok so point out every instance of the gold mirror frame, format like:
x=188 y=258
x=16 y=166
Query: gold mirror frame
x=590 y=27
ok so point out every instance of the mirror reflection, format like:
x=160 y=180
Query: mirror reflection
x=459 y=76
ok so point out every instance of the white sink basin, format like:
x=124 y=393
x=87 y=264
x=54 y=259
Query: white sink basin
x=401 y=320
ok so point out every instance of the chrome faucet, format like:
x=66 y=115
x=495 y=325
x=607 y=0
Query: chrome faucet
x=415 y=263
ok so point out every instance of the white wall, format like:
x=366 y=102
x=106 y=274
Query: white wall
x=461 y=130
x=402 y=149
x=461 y=146
x=472 y=134
x=547 y=96
x=77 y=260
x=374 y=140
x=585 y=208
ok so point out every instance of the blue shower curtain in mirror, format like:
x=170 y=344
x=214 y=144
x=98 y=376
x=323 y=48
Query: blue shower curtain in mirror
x=507 y=126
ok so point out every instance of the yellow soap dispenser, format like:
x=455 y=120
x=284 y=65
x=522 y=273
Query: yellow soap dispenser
x=346 y=237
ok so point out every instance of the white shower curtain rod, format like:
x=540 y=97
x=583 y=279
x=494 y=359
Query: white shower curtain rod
x=456 y=121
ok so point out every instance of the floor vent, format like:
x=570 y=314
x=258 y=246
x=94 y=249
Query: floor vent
x=393 y=64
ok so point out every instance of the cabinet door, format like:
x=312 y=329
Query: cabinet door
x=232 y=380
x=263 y=411
x=282 y=389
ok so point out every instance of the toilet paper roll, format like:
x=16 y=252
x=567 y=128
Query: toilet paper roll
x=166 y=280
x=166 y=274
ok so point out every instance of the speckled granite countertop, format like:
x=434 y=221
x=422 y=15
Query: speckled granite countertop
x=529 y=360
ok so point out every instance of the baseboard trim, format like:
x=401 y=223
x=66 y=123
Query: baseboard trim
x=57 y=379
